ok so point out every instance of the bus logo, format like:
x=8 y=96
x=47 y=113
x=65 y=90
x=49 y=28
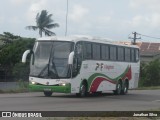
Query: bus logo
x=47 y=83
x=99 y=65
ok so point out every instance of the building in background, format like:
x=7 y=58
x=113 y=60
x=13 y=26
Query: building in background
x=148 y=51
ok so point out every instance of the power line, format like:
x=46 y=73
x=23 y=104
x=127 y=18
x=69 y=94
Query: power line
x=135 y=34
x=134 y=38
x=148 y=36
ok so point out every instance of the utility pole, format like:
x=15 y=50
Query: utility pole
x=134 y=38
x=66 y=20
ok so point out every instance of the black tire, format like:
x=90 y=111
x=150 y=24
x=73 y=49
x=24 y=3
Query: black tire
x=47 y=94
x=83 y=91
x=98 y=93
x=118 y=88
x=125 y=88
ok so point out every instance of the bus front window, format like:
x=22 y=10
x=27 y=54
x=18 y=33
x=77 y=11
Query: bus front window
x=58 y=66
x=51 y=60
x=41 y=59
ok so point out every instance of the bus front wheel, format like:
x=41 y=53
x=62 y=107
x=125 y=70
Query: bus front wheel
x=83 y=91
x=47 y=94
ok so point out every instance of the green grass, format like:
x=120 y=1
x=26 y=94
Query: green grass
x=20 y=90
x=23 y=87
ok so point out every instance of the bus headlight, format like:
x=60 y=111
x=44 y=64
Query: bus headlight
x=62 y=84
x=33 y=82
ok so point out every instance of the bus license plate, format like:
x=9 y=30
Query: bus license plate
x=47 y=89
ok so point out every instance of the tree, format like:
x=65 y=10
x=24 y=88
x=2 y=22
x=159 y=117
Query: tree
x=7 y=38
x=44 y=22
x=10 y=58
x=150 y=73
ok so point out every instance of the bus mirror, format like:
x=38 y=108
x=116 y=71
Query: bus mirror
x=24 y=57
x=70 y=59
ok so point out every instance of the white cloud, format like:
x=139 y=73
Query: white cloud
x=151 y=21
x=145 y=15
x=103 y=20
x=1 y=20
x=34 y=8
x=15 y=21
x=147 y=4
x=78 y=13
x=138 y=21
x=18 y=2
x=155 y=20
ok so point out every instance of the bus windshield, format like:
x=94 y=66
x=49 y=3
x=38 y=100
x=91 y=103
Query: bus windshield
x=51 y=59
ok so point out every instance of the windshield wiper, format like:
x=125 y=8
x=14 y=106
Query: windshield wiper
x=50 y=73
x=42 y=71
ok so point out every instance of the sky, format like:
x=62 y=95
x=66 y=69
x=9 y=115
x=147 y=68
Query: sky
x=114 y=19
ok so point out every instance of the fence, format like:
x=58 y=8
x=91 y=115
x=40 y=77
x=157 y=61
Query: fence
x=9 y=86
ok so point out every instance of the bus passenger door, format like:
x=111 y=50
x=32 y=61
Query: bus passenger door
x=77 y=59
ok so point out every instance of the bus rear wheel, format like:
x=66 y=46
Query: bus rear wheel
x=118 y=89
x=47 y=94
x=125 y=88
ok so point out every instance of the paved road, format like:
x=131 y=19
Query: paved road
x=133 y=101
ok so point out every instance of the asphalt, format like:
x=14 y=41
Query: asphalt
x=135 y=100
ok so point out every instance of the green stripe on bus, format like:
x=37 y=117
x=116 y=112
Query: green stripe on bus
x=60 y=89
x=92 y=77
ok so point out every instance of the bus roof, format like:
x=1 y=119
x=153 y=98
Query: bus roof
x=76 y=38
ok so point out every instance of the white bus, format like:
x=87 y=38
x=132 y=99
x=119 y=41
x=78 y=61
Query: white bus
x=82 y=65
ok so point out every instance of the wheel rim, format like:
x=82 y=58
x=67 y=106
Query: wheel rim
x=119 y=88
x=83 y=90
x=125 y=89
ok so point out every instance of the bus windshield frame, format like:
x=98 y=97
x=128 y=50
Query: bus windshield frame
x=51 y=59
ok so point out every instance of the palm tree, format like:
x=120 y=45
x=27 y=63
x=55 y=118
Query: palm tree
x=44 y=23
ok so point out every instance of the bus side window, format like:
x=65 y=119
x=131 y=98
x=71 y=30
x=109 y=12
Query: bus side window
x=96 y=51
x=127 y=54
x=133 y=55
x=104 y=52
x=120 y=54
x=87 y=50
x=137 y=55
x=113 y=53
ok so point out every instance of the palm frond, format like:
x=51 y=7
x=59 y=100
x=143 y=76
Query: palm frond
x=37 y=19
x=32 y=27
x=50 y=26
x=47 y=20
x=40 y=32
x=44 y=22
x=49 y=33
x=42 y=17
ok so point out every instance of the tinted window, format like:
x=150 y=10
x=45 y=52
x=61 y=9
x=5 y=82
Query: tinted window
x=127 y=54
x=113 y=53
x=105 y=52
x=137 y=54
x=87 y=50
x=132 y=55
x=120 y=54
x=96 y=51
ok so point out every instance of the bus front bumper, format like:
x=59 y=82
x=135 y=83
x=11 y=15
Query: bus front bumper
x=40 y=88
